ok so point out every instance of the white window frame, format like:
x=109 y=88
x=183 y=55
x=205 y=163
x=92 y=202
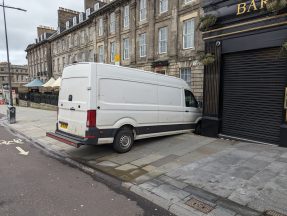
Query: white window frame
x=186 y=77
x=142 y=45
x=112 y=51
x=74 y=21
x=162 y=42
x=100 y=27
x=101 y=57
x=81 y=17
x=188 y=34
x=88 y=13
x=143 y=10
x=112 y=22
x=187 y=1
x=97 y=6
x=163 y=6
x=67 y=25
x=126 y=16
x=126 y=49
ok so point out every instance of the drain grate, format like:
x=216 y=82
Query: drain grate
x=273 y=213
x=199 y=205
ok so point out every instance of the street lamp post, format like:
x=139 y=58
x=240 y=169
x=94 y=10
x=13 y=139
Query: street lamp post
x=11 y=112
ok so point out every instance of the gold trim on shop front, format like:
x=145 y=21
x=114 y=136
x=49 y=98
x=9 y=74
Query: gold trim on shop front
x=246 y=30
x=245 y=23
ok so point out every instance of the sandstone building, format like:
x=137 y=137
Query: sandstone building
x=159 y=36
x=19 y=74
x=39 y=55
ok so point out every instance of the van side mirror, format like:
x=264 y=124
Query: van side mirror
x=199 y=104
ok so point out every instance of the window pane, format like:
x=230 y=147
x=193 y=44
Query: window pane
x=163 y=40
x=188 y=34
x=189 y=99
x=185 y=74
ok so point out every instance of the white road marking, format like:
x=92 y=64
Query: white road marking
x=11 y=142
x=21 y=151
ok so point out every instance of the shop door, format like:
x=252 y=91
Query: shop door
x=253 y=94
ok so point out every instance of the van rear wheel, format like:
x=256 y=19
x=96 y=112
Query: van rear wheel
x=123 y=141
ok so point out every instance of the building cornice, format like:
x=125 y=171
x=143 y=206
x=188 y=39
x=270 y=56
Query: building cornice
x=68 y=31
x=109 y=7
x=35 y=45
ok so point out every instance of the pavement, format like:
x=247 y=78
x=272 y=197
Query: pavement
x=33 y=184
x=185 y=174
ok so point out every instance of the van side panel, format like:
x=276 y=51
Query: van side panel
x=125 y=99
x=170 y=105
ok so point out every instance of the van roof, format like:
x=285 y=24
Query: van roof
x=111 y=65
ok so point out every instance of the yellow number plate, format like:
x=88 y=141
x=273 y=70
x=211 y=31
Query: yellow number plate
x=64 y=125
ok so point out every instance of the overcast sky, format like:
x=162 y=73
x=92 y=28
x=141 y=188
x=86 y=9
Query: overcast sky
x=22 y=26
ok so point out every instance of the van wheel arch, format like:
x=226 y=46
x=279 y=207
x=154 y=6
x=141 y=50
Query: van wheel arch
x=128 y=126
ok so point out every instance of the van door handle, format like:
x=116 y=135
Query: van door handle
x=186 y=111
x=72 y=109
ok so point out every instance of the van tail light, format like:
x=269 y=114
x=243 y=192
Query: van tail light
x=91 y=118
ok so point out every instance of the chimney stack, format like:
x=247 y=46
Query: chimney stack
x=64 y=15
x=44 y=29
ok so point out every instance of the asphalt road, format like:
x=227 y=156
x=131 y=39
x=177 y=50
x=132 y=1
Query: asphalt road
x=37 y=185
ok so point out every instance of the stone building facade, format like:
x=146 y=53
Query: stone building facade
x=39 y=55
x=159 y=36
x=19 y=74
x=74 y=42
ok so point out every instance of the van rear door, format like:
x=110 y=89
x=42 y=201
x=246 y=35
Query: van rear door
x=73 y=105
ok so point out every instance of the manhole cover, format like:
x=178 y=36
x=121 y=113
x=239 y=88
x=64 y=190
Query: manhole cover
x=199 y=205
x=273 y=213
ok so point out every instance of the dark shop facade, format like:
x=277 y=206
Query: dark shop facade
x=245 y=88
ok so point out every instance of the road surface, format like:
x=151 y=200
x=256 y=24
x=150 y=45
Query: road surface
x=33 y=184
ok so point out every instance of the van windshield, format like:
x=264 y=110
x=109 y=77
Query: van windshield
x=74 y=89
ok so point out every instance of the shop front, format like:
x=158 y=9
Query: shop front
x=245 y=87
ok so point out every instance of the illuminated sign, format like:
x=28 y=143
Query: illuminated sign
x=248 y=7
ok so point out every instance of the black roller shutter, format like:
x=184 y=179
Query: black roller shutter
x=253 y=94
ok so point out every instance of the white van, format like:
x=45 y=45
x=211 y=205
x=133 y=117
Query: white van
x=102 y=104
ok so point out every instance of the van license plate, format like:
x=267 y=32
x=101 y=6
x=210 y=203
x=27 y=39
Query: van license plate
x=64 y=125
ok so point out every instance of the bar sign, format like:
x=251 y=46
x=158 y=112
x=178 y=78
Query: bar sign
x=285 y=102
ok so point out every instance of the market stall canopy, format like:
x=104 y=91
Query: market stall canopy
x=57 y=83
x=49 y=83
x=34 y=83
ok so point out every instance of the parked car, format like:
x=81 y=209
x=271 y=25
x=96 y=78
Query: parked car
x=108 y=104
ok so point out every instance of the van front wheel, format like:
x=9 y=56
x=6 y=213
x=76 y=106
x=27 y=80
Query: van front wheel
x=123 y=141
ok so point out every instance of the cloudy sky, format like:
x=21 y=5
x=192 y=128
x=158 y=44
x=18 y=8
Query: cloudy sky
x=22 y=26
